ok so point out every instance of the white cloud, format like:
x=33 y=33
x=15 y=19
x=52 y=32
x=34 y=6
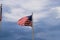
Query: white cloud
x=38 y=16
x=14 y=15
x=34 y=4
x=27 y=4
x=23 y=10
x=0 y=1
x=19 y=13
x=57 y=11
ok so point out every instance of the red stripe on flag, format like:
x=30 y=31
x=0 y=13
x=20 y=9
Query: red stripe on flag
x=22 y=21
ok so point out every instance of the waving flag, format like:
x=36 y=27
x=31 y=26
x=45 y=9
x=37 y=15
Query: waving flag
x=0 y=18
x=25 y=21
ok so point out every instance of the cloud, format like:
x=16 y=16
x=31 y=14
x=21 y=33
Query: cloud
x=27 y=4
x=54 y=12
x=58 y=11
x=16 y=14
x=40 y=15
x=34 y=4
x=0 y=1
x=49 y=35
x=22 y=8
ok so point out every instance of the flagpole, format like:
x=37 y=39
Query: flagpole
x=32 y=28
x=0 y=16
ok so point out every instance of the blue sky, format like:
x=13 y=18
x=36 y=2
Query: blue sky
x=46 y=17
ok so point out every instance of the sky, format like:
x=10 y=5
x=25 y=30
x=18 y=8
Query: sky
x=46 y=19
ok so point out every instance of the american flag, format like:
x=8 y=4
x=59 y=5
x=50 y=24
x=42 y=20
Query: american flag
x=25 y=21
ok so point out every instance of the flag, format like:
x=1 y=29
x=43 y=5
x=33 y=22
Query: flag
x=25 y=21
x=0 y=18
